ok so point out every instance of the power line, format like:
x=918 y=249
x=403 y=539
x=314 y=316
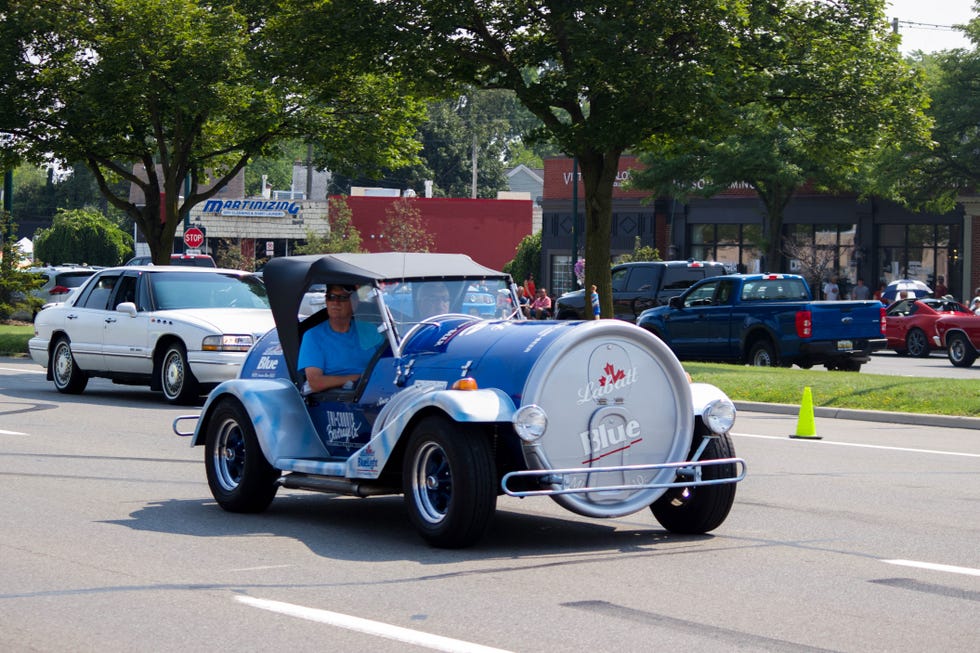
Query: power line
x=924 y=26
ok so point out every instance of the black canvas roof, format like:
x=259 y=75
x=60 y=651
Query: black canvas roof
x=287 y=278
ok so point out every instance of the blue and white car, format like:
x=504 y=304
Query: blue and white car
x=454 y=410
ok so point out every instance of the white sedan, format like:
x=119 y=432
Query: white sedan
x=181 y=330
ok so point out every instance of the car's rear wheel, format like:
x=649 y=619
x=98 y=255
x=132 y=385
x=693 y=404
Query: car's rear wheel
x=240 y=478
x=763 y=354
x=176 y=379
x=449 y=482
x=917 y=343
x=65 y=373
x=695 y=510
x=961 y=353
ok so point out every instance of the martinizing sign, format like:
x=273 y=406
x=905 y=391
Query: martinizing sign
x=252 y=208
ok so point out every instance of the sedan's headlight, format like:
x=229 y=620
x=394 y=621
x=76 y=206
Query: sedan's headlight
x=227 y=342
x=719 y=415
x=530 y=422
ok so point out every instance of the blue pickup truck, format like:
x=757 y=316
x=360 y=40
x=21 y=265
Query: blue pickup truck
x=767 y=320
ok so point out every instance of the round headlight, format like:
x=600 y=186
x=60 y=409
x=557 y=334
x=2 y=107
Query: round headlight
x=530 y=422
x=719 y=415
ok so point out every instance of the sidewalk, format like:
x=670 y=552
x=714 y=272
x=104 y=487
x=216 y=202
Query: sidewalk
x=950 y=421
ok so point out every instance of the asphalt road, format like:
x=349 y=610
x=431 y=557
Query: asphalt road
x=864 y=541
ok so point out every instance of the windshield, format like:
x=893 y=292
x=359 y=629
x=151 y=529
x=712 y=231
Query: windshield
x=174 y=290
x=410 y=302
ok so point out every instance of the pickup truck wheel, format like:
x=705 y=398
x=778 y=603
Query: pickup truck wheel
x=240 y=478
x=917 y=343
x=68 y=378
x=696 y=510
x=449 y=482
x=763 y=354
x=961 y=353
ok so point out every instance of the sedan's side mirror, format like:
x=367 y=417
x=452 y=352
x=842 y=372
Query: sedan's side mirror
x=129 y=308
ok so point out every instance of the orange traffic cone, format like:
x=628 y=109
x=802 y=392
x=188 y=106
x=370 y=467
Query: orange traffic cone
x=805 y=426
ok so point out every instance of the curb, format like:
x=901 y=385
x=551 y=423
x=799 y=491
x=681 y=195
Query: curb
x=945 y=421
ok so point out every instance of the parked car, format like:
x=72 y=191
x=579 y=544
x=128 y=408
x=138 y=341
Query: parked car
x=454 y=410
x=179 y=330
x=193 y=260
x=640 y=285
x=910 y=324
x=314 y=299
x=59 y=281
x=767 y=320
x=959 y=335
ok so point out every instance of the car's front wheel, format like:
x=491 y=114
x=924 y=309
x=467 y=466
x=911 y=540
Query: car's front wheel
x=696 y=510
x=176 y=379
x=449 y=482
x=240 y=478
x=961 y=353
x=917 y=343
x=67 y=376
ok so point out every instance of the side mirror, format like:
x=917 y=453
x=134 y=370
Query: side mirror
x=129 y=308
x=676 y=302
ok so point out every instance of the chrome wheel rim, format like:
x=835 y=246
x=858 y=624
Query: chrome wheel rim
x=63 y=364
x=432 y=482
x=228 y=458
x=173 y=374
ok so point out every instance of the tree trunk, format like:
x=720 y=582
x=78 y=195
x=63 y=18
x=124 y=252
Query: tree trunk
x=599 y=170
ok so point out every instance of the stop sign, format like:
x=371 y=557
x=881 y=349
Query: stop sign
x=193 y=237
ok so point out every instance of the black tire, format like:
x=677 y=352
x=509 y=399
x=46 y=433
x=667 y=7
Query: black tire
x=449 y=482
x=240 y=478
x=849 y=366
x=697 y=510
x=763 y=354
x=67 y=376
x=961 y=353
x=176 y=379
x=917 y=343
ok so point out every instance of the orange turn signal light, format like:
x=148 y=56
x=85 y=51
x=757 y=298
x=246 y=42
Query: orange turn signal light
x=466 y=383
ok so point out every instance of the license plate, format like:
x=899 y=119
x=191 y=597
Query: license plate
x=844 y=344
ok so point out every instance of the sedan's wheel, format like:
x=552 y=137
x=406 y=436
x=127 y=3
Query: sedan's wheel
x=695 y=510
x=917 y=343
x=68 y=378
x=176 y=379
x=961 y=353
x=240 y=478
x=449 y=482
x=762 y=354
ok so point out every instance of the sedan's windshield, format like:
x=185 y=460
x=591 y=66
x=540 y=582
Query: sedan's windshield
x=176 y=290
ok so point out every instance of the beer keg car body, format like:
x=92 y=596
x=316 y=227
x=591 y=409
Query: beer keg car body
x=454 y=410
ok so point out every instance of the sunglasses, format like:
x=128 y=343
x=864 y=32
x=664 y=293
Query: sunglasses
x=343 y=297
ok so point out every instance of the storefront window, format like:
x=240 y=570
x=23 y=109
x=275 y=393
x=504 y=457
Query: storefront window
x=735 y=245
x=562 y=276
x=919 y=251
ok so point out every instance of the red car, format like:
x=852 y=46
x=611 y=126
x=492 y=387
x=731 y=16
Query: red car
x=960 y=335
x=910 y=324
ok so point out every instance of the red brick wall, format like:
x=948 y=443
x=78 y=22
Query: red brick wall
x=487 y=230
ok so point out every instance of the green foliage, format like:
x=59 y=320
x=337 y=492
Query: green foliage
x=82 y=236
x=527 y=258
x=16 y=284
x=832 y=96
x=193 y=90
x=343 y=235
x=640 y=253
x=404 y=229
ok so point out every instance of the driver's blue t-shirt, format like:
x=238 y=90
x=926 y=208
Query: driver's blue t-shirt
x=334 y=353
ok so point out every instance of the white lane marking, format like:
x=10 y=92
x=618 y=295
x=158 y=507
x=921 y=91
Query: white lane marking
x=863 y=446
x=377 y=628
x=932 y=566
x=22 y=369
x=2 y=432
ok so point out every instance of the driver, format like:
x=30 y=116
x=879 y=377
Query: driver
x=331 y=354
x=433 y=299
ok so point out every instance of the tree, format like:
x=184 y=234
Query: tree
x=404 y=229
x=527 y=259
x=602 y=77
x=190 y=90
x=836 y=97
x=82 y=236
x=343 y=235
x=640 y=253
x=15 y=284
